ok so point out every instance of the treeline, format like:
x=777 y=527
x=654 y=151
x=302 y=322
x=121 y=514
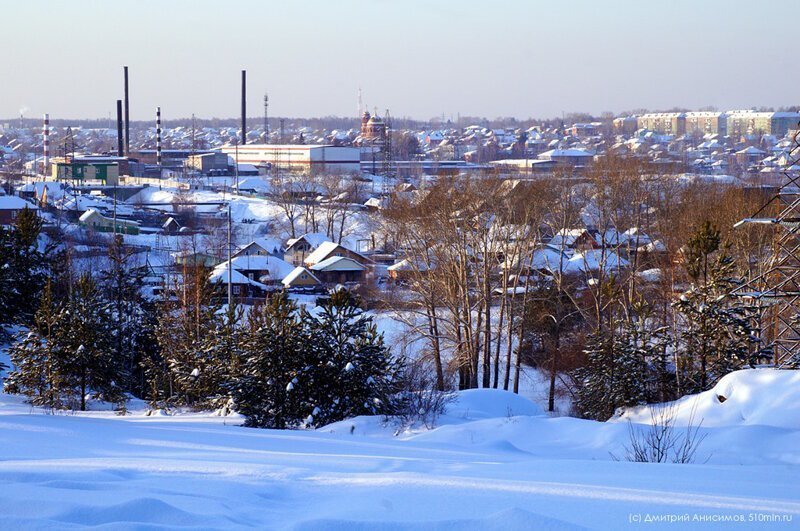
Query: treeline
x=636 y=309
x=97 y=338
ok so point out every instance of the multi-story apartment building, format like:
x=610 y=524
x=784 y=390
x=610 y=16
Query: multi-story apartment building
x=746 y=122
x=669 y=123
x=706 y=122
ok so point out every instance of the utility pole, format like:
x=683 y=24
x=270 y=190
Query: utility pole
x=230 y=268
x=236 y=168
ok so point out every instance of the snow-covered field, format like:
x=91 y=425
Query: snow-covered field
x=495 y=462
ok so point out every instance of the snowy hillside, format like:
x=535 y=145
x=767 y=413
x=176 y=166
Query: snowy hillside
x=496 y=462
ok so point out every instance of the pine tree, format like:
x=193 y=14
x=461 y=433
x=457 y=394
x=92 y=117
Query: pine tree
x=67 y=353
x=595 y=379
x=218 y=359
x=84 y=337
x=23 y=268
x=716 y=333
x=267 y=389
x=353 y=373
x=187 y=315
x=617 y=370
x=39 y=362
x=122 y=283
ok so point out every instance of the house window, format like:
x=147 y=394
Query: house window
x=236 y=290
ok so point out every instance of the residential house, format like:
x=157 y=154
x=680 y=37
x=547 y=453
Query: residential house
x=330 y=249
x=267 y=269
x=339 y=270
x=11 y=206
x=298 y=248
x=96 y=221
x=241 y=286
x=262 y=247
x=301 y=278
x=573 y=239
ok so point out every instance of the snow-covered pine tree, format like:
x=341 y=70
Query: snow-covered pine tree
x=272 y=377
x=23 y=268
x=188 y=314
x=39 y=363
x=67 y=354
x=616 y=372
x=353 y=373
x=716 y=331
x=595 y=378
x=218 y=356
x=131 y=333
x=84 y=337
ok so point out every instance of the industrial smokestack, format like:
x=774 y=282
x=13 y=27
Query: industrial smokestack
x=46 y=142
x=120 y=144
x=127 y=116
x=244 y=107
x=158 y=138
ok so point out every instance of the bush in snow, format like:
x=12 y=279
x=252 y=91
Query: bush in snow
x=661 y=441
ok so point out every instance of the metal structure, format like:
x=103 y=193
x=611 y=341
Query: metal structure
x=266 y=118
x=775 y=292
x=387 y=169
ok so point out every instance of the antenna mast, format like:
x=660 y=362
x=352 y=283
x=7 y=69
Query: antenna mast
x=266 y=118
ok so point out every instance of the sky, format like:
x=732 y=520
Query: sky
x=417 y=58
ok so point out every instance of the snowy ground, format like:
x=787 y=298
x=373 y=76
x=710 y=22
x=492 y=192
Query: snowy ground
x=496 y=462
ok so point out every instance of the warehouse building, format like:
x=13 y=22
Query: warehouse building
x=298 y=157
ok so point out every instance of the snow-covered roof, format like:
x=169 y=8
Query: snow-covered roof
x=295 y=274
x=276 y=267
x=567 y=237
x=220 y=275
x=12 y=202
x=547 y=257
x=323 y=250
x=314 y=239
x=593 y=259
x=338 y=263
x=406 y=265
x=570 y=152
x=270 y=245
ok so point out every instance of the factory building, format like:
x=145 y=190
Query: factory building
x=298 y=157
x=88 y=168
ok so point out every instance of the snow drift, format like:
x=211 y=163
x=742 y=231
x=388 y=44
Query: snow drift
x=753 y=397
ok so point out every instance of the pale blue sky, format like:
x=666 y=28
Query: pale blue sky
x=419 y=58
